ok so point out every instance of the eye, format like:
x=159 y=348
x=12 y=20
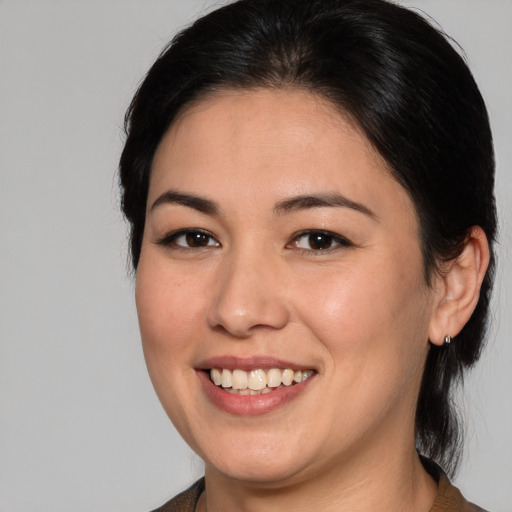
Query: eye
x=189 y=239
x=316 y=240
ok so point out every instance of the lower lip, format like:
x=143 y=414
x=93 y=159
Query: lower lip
x=251 y=405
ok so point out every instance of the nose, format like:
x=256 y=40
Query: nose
x=248 y=295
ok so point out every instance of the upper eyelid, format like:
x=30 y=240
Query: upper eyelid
x=172 y=235
x=340 y=242
x=322 y=232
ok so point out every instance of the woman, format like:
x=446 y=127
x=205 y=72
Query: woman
x=310 y=191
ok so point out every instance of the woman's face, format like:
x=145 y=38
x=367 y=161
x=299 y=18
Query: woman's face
x=277 y=240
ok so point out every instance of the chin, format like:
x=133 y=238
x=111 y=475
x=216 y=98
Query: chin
x=259 y=459
x=262 y=472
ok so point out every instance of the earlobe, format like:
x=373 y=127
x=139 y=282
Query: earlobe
x=458 y=288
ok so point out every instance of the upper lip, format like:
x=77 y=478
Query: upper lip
x=250 y=363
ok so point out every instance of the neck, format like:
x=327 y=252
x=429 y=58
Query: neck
x=397 y=482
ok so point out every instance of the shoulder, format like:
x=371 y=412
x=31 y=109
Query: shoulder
x=448 y=497
x=185 y=501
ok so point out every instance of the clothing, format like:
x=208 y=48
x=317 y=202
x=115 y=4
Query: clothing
x=448 y=497
x=186 y=501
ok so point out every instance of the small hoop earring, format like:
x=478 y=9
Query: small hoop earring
x=447 y=339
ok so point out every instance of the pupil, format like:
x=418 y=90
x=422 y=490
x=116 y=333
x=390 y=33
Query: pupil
x=197 y=239
x=320 y=241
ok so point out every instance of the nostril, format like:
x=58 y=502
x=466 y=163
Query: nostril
x=247 y=297
x=269 y=313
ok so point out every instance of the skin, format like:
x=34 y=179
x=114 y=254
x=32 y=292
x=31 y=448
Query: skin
x=360 y=313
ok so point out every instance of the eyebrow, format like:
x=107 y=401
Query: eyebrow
x=290 y=205
x=197 y=203
x=321 y=201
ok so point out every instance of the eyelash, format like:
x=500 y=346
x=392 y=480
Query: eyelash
x=338 y=241
x=170 y=240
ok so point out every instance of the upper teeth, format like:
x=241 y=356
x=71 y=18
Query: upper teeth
x=257 y=380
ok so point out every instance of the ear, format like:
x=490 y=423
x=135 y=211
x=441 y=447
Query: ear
x=458 y=287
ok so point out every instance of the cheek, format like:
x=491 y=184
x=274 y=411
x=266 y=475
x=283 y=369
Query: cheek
x=373 y=315
x=372 y=325
x=167 y=305
x=167 y=310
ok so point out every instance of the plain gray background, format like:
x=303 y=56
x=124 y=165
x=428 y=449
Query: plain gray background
x=80 y=427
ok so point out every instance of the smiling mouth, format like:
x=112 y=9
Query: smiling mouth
x=257 y=382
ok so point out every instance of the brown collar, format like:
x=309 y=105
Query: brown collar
x=448 y=497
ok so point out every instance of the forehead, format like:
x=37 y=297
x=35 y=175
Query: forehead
x=256 y=143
